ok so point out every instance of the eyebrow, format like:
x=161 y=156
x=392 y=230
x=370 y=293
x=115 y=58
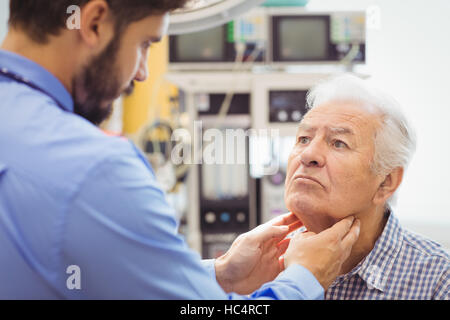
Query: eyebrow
x=341 y=131
x=305 y=127
x=154 y=39
x=332 y=130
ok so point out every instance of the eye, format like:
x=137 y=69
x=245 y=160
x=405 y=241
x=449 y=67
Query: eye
x=146 y=45
x=339 y=144
x=303 y=140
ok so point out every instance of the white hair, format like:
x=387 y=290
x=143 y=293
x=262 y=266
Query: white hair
x=394 y=141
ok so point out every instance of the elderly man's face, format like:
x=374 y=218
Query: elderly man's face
x=329 y=174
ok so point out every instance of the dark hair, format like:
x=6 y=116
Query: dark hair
x=41 y=18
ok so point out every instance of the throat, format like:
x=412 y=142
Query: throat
x=371 y=230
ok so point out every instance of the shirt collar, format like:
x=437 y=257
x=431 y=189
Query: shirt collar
x=24 y=70
x=375 y=268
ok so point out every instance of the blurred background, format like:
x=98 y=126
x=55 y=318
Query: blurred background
x=253 y=72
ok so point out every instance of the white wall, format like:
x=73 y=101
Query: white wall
x=409 y=56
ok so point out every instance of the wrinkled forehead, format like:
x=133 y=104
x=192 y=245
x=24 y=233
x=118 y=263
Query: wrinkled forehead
x=341 y=117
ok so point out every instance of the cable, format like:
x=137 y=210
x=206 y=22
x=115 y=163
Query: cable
x=240 y=52
x=351 y=55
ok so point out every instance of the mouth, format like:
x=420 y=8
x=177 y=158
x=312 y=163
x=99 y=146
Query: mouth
x=308 y=178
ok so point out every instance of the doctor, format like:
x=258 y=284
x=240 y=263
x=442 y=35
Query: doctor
x=81 y=214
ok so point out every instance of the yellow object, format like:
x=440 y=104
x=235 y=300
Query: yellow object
x=150 y=99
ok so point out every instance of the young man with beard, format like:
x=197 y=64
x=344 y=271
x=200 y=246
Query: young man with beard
x=81 y=214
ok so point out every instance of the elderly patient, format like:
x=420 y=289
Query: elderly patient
x=350 y=156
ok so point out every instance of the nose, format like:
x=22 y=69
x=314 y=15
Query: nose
x=313 y=155
x=142 y=72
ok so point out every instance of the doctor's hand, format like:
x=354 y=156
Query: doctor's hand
x=324 y=253
x=253 y=258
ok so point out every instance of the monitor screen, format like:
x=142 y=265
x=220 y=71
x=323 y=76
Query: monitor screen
x=201 y=46
x=301 y=38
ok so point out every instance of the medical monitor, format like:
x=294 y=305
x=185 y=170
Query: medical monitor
x=203 y=46
x=301 y=38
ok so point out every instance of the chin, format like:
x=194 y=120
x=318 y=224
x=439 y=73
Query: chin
x=314 y=217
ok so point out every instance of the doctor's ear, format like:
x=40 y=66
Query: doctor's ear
x=389 y=185
x=96 y=23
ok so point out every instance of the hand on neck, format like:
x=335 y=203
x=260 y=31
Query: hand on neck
x=372 y=225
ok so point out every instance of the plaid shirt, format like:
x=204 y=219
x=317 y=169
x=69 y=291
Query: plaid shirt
x=402 y=265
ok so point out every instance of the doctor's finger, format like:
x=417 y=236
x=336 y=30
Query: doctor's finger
x=351 y=237
x=285 y=219
x=267 y=232
x=340 y=229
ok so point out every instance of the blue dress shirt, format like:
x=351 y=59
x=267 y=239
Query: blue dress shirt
x=72 y=196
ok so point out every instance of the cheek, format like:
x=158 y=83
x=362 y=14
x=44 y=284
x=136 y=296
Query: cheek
x=130 y=64
x=293 y=164
x=135 y=62
x=346 y=171
x=352 y=189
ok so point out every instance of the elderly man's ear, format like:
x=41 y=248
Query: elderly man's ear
x=389 y=185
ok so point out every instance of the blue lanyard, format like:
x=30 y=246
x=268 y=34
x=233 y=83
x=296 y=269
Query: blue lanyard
x=25 y=81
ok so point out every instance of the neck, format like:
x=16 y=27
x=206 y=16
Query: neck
x=50 y=56
x=372 y=226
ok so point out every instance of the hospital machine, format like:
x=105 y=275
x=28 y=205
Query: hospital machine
x=273 y=38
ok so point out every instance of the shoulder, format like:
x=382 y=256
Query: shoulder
x=430 y=260
x=420 y=266
x=425 y=247
x=51 y=147
x=97 y=152
x=20 y=95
